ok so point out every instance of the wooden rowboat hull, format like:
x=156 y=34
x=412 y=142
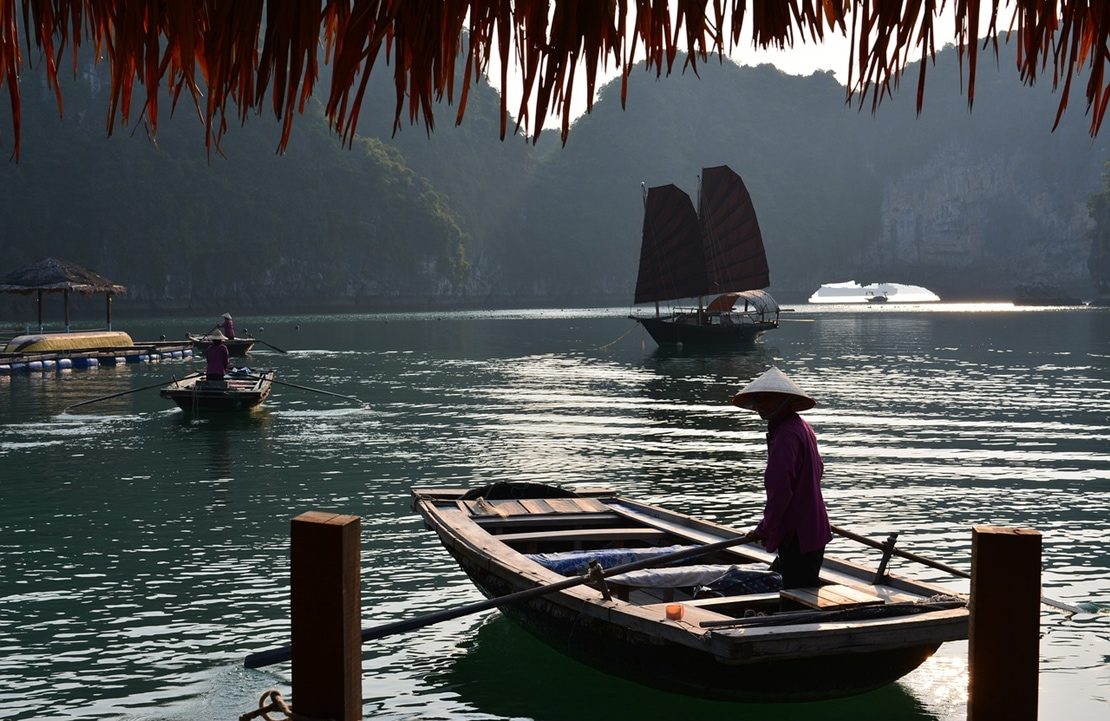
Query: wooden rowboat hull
x=822 y=655
x=235 y=346
x=678 y=668
x=234 y=394
x=668 y=332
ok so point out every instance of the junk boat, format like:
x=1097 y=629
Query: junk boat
x=715 y=252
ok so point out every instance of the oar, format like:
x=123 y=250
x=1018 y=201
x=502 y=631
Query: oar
x=123 y=393
x=939 y=566
x=314 y=390
x=268 y=345
x=202 y=336
x=278 y=655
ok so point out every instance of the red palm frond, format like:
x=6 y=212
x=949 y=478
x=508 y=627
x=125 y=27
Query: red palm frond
x=254 y=53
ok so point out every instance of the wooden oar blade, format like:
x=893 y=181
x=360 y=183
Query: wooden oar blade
x=124 y=393
x=270 y=345
x=314 y=390
x=939 y=566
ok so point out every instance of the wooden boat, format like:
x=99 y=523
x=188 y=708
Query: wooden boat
x=716 y=626
x=715 y=251
x=240 y=390
x=237 y=346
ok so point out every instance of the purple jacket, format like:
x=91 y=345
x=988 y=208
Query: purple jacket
x=218 y=358
x=793 y=484
x=229 y=329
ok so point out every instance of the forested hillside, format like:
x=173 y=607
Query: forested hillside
x=965 y=203
x=320 y=225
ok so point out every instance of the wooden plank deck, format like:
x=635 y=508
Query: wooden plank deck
x=578 y=535
x=506 y=507
x=828 y=598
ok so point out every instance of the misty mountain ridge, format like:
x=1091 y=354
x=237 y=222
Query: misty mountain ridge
x=969 y=204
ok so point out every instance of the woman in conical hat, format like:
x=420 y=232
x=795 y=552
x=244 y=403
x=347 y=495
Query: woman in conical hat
x=795 y=522
x=217 y=357
x=227 y=326
x=776 y=383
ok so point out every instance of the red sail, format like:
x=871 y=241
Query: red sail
x=687 y=254
x=734 y=254
x=672 y=263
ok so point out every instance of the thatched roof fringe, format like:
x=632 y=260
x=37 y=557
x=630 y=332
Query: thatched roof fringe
x=219 y=45
x=52 y=275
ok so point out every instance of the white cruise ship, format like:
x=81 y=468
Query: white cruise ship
x=853 y=292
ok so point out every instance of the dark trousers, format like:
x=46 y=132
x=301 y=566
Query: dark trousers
x=799 y=570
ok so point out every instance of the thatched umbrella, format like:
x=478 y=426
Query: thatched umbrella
x=236 y=57
x=51 y=275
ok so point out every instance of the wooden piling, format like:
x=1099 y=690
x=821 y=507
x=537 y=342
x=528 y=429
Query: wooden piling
x=1004 y=626
x=325 y=605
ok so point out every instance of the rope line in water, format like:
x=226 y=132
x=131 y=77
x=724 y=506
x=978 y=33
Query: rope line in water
x=614 y=342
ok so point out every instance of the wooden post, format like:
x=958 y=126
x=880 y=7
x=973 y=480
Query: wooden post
x=325 y=614
x=1004 y=628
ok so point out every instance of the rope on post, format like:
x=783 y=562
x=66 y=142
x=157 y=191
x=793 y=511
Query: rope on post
x=270 y=701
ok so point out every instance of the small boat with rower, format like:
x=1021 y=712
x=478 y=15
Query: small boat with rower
x=240 y=390
x=682 y=604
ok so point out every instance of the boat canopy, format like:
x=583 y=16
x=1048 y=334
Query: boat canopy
x=687 y=254
x=759 y=300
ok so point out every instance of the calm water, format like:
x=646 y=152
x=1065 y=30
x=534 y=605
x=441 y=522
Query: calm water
x=144 y=553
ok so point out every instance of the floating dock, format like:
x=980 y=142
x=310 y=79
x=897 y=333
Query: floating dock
x=81 y=358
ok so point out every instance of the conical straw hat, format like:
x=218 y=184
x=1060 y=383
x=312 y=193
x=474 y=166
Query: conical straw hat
x=217 y=335
x=774 y=381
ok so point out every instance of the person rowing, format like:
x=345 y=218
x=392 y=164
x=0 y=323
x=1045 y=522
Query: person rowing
x=795 y=521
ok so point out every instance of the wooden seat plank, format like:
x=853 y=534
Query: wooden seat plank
x=827 y=598
x=501 y=507
x=585 y=534
x=577 y=505
x=536 y=505
x=523 y=523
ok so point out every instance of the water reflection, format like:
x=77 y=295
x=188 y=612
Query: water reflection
x=145 y=551
x=503 y=671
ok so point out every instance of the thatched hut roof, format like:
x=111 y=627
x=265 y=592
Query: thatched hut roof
x=236 y=57
x=51 y=275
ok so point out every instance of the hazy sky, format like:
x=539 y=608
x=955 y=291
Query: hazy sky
x=803 y=59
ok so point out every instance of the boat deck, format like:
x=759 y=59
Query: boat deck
x=598 y=520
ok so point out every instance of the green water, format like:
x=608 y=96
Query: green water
x=145 y=552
